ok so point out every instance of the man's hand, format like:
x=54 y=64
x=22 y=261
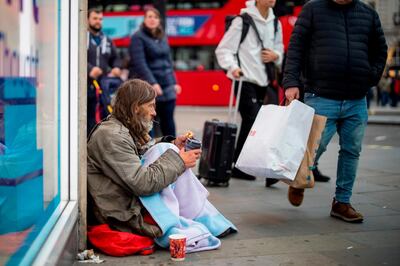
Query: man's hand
x=237 y=73
x=115 y=72
x=268 y=55
x=190 y=157
x=180 y=141
x=96 y=72
x=178 y=88
x=157 y=89
x=292 y=93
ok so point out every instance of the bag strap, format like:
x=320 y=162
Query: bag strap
x=250 y=20
x=245 y=30
x=99 y=93
x=275 y=26
x=253 y=25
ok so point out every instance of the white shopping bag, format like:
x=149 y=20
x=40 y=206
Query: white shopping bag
x=277 y=141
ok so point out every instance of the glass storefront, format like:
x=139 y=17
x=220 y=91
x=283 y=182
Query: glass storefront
x=30 y=122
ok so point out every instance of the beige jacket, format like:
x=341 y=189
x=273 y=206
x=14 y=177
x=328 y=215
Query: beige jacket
x=116 y=179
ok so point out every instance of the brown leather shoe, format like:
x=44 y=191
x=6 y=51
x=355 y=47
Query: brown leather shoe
x=346 y=212
x=295 y=196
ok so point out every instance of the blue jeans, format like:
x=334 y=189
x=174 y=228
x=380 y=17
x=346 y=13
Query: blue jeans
x=348 y=118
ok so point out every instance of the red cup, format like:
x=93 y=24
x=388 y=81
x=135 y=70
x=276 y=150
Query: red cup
x=177 y=247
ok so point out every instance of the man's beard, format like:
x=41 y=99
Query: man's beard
x=94 y=29
x=148 y=125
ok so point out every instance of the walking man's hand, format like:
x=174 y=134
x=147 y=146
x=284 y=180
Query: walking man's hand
x=292 y=93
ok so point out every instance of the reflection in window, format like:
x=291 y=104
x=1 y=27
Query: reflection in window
x=29 y=126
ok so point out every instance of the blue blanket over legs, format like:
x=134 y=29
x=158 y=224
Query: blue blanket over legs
x=183 y=208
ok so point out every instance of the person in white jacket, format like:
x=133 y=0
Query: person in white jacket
x=248 y=58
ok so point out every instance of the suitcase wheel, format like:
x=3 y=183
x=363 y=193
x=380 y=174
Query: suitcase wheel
x=217 y=184
x=225 y=184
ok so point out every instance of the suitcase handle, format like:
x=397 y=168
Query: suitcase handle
x=232 y=118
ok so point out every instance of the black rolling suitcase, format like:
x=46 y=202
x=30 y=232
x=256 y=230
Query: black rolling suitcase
x=218 y=146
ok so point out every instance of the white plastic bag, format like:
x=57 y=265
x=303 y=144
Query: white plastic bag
x=277 y=141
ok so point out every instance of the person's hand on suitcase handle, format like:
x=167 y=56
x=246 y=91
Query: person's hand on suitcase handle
x=190 y=157
x=237 y=73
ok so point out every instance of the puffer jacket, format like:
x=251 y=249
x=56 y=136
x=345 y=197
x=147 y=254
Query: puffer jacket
x=339 y=50
x=116 y=179
x=150 y=60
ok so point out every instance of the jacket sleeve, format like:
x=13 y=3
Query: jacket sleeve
x=229 y=45
x=171 y=62
x=89 y=68
x=138 y=60
x=278 y=45
x=299 y=41
x=114 y=60
x=116 y=157
x=377 y=50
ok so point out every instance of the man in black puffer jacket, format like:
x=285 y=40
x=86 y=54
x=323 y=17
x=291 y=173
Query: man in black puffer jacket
x=336 y=53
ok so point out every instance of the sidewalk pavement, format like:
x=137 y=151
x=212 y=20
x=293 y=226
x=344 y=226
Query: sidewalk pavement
x=384 y=115
x=272 y=232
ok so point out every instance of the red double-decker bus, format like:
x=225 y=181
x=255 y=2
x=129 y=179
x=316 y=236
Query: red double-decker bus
x=194 y=29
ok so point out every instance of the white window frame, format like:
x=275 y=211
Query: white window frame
x=62 y=221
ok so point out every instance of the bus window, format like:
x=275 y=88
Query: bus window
x=140 y=5
x=119 y=5
x=283 y=8
x=195 y=4
x=194 y=58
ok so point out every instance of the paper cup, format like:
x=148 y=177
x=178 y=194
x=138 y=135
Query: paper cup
x=192 y=144
x=177 y=247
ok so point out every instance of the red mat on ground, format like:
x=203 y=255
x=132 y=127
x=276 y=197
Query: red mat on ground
x=118 y=244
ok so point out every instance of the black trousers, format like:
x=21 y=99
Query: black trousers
x=251 y=100
x=165 y=116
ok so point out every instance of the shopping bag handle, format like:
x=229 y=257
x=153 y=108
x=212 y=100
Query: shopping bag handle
x=283 y=102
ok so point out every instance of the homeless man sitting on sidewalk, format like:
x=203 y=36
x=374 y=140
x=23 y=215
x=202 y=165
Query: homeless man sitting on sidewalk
x=131 y=176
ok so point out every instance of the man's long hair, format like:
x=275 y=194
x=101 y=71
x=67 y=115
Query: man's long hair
x=131 y=94
x=159 y=31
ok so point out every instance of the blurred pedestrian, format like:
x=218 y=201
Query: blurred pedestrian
x=249 y=58
x=370 y=96
x=102 y=61
x=394 y=89
x=151 y=61
x=384 y=88
x=340 y=49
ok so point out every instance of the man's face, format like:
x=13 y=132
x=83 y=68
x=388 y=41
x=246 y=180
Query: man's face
x=95 y=21
x=147 y=113
x=343 y=2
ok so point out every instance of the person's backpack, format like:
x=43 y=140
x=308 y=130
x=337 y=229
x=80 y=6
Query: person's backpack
x=247 y=21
